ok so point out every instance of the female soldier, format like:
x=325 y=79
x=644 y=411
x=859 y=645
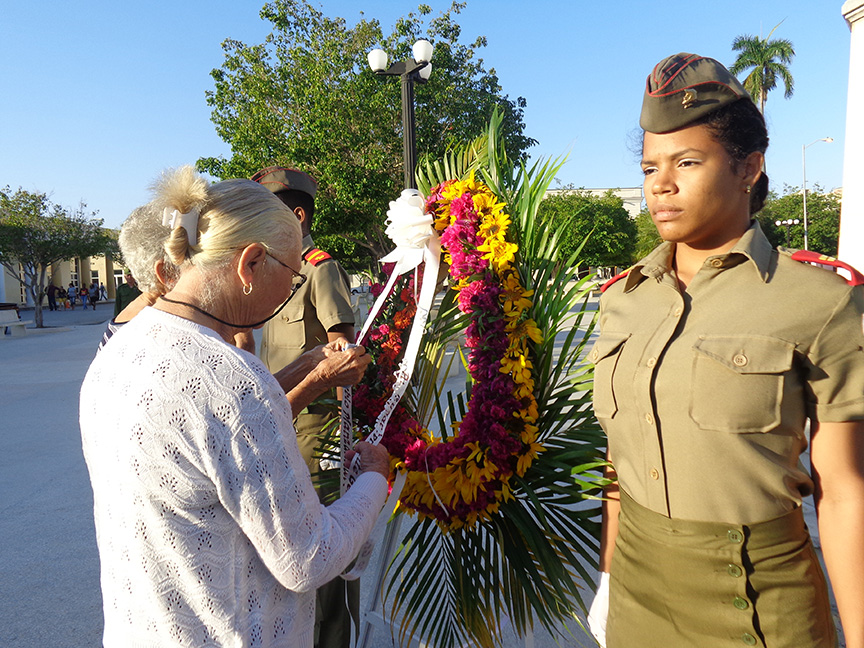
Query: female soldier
x=714 y=352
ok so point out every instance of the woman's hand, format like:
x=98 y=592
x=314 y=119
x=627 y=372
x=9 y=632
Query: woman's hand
x=373 y=458
x=320 y=369
x=341 y=365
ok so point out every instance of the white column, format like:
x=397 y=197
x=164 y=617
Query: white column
x=852 y=210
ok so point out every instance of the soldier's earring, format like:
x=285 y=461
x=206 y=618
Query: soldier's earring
x=247 y=290
x=747 y=189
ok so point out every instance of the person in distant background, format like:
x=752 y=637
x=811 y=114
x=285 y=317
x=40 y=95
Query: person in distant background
x=126 y=292
x=51 y=291
x=72 y=295
x=94 y=294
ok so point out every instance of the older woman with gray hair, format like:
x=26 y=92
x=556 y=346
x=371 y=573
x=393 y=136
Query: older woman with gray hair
x=142 y=244
x=209 y=529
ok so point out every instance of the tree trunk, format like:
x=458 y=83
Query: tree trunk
x=40 y=288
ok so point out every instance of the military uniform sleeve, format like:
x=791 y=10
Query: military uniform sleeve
x=330 y=295
x=837 y=356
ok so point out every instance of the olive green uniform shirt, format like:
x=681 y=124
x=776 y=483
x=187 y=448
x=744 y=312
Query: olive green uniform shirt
x=123 y=296
x=323 y=302
x=704 y=394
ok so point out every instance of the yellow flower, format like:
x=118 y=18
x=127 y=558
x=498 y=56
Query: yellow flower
x=456 y=189
x=525 y=460
x=526 y=328
x=486 y=204
x=500 y=253
x=493 y=225
x=522 y=375
x=513 y=295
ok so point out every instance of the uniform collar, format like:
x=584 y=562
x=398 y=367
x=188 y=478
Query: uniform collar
x=753 y=245
x=655 y=265
x=756 y=247
x=307 y=244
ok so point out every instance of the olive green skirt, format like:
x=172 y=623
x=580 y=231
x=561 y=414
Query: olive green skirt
x=706 y=585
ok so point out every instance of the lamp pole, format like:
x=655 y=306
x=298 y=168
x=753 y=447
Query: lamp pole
x=416 y=70
x=789 y=222
x=804 y=172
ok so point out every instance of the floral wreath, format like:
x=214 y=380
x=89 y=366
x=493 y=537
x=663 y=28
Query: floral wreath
x=463 y=478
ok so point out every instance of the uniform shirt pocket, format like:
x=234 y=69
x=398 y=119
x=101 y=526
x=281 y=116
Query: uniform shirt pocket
x=290 y=332
x=605 y=355
x=737 y=382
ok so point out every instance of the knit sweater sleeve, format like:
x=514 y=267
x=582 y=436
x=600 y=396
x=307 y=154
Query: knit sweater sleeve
x=250 y=452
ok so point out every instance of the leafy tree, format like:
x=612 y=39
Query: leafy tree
x=769 y=60
x=306 y=98
x=35 y=233
x=823 y=219
x=647 y=236
x=602 y=220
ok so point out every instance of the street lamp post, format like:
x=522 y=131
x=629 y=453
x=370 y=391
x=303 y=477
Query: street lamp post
x=804 y=172
x=416 y=70
x=789 y=222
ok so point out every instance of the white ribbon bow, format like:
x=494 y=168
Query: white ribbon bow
x=410 y=228
x=174 y=219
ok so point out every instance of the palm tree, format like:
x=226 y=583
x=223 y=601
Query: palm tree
x=769 y=60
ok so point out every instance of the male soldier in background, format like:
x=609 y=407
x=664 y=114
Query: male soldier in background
x=319 y=313
x=126 y=293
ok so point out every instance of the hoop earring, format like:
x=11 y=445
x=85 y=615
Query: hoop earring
x=747 y=189
x=247 y=290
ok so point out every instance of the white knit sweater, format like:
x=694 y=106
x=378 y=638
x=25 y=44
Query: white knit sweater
x=209 y=530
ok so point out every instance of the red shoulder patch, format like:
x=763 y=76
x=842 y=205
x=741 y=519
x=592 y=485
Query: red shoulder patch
x=808 y=256
x=316 y=256
x=614 y=279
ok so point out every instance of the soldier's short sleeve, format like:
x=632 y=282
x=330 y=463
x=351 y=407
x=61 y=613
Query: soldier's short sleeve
x=330 y=295
x=837 y=373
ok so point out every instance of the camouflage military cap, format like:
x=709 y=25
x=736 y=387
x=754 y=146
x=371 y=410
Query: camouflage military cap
x=684 y=88
x=278 y=179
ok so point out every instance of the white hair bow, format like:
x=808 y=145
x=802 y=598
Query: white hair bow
x=173 y=219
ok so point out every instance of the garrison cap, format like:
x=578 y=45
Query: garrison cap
x=686 y=87
x=278 y=179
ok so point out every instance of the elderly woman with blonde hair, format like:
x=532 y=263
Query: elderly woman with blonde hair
x=210 y=532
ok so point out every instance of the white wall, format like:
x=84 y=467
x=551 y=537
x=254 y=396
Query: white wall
x=852 y=210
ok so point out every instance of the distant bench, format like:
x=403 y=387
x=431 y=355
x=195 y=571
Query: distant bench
x=9 y=321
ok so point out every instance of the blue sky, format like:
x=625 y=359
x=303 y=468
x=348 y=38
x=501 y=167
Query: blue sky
x=98 y=97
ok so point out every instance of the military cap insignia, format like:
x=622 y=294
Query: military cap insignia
x=808 y=256
x=690 y=96
x=316 y=256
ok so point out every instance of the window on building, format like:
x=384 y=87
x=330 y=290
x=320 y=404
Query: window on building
x=74 y=268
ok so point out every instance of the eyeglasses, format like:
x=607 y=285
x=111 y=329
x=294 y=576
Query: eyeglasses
x=297 y=280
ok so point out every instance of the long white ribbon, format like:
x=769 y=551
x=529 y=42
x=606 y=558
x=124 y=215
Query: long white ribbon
x=416 y=242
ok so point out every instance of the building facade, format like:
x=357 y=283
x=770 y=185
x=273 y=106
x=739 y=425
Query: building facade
x=76 y=271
